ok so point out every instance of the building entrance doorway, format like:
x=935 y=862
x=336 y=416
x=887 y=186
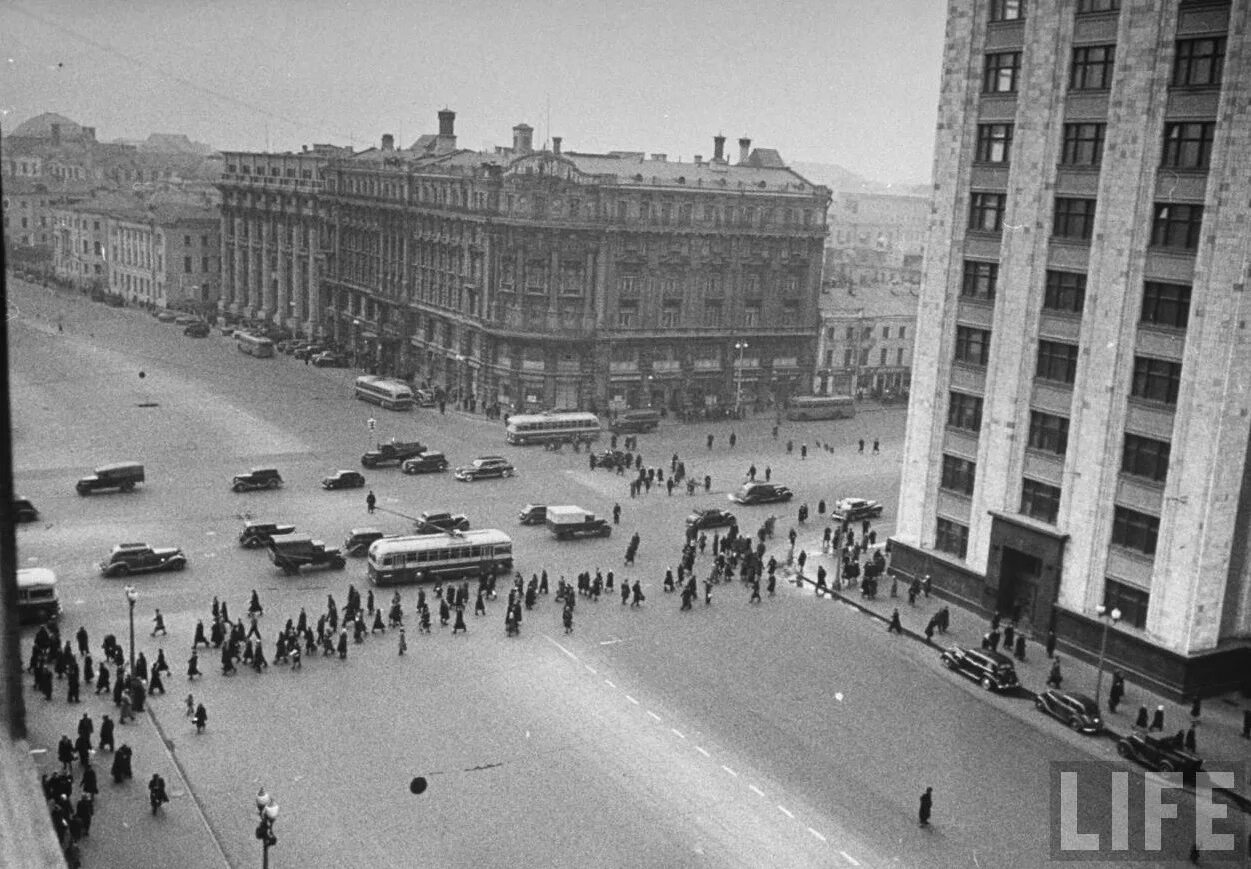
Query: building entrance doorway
x=1023 y=570
x=1019 y=576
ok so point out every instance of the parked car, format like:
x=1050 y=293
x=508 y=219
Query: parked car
x=485 y=466
x=257 y=478
x=612 y=459
x=343 y=480
x=431 y=522
x=426 y=463
x=532 y=514
x=198 y=329
x=129 y=558
x=761 y=493
x=393 y=452
x=854 y=509
x=166 y=317
x=992 y=670
x=425 y=398
x=1161 y=753
x=360 y=539
x=299 y=550
x=120 y=475
x=330 y=359
x=307 y=351
x=24 y=510
x=37 y=600
x=228 y=330
x=257 y=534
x=185 y=319
x=1076 y=710
x=572 y=521
x=701 y=519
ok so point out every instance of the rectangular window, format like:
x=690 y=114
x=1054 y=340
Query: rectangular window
x=1086 y=7
x=186 y=264
x=671 y=314
x=899 y=357
x=965 y=411
x=951 y=537
x=986 y=211
x=790 y=313
x=1166 y=305
x=881 y=360
x=712 y=313
x=851 y=333
x=886 y=333
x=1092 y=67
x=1188 y=145
x=1048 y=433
x=994 y=143
x=958 y=475
x=627 y=314
x=1040 y=501
x=1132 y=602
x=204 y=264
x=1176 y=226
x=630 y=285
x=1064 y=292
x=1199 y=62
x=864 y=356
x=1156 y=379
x=1135 y=530
x=829 y=358
x=1007 y=10
x=751 y=314
x=1057 y=362
x=1074 y=219
x=972 y=345
x=1000 y=71
x=1083 y=144
x=902 y=332
x=1145 y=457
x=849 y=358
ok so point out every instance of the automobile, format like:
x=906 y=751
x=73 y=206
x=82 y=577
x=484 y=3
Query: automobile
x=330 y=359
x=166 y=317
x=853 y=509
x=428 y=462
x=425 y=398
x=24 y=510
x=185 y=319
x=257 y=478
x=308 y=350
x=702 y=519
x=761 y=493
x=612 y=459
x=299 y=550
x=360 y=539
x=120 y=475
x=286 y=346
x=257 y=534
x=198 y=329
x=572 y=521
x=1076 y=710
x=343 y=480
x=392 y=452
x=228 y=330
x=532 y=514
x=1161 y=753
x=485 y=466
x=37 y=599
x=992 y=670
x=129 y=558
x=431 y=522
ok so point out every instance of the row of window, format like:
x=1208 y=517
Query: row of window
x=866 y=333
x=1187 y=144
x=1014 y=10
x=849 y=357
x=1197 y=62
x=1174 y=225
x=633 y=283
x=714 y=310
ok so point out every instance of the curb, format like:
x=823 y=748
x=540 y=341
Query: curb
x=1241 y=800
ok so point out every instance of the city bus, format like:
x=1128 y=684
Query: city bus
x=635 y=421
x=821 y=407
x=430 y=557
x=254 y=345
x=389 y=394
x=552 y=427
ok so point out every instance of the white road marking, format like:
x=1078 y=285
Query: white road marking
x=559 y=646
x=850 y=859
x=632 y=700
x=592 y=669
x=730 y=771
x=701 y=751
x=819 y=836
x=677 y=733
x=838 y=695
x=784 y=810
x=609 y=683
x=757 y=791
x=653 y=714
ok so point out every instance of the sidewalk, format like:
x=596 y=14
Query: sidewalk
x=1218 y=729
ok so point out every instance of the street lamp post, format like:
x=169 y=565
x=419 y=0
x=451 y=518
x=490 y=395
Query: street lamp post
x=1108 y=617
x=267 y=812
x=131 y=597
x=463 y=364
x=740 y=346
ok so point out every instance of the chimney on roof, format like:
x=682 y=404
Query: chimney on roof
x=744 y=151
x=718 y=148
x=447 y=132
x=660 y=158
x=55 y=130
x=699 y=159
x=523 y=139
x=556 y=140
x=388 y=142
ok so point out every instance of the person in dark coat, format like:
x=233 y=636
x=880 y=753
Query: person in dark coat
x=199 y=636
x=460 y=622
x=1141 y=721
x=1051 y=644
x=1117 y=691
x=121 y=764
x=1055 y=679
x=106 y=734
x=86 y=808
x=1190 y=738
x=155 y=685
x=201 y=718
x=82 y=746
x=1196 y=708
x=65 y=753
x=927 y=806
x=193 y=665
x=1157 y=720
x=894 y=626
x=343 y=644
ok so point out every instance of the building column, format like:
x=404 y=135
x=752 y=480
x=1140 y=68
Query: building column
x=267 y=285
x=254 y=276
x=312 y=299
x=282 y=306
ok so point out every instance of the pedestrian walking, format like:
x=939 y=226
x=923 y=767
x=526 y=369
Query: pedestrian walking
x=201 y=718
x=1190 y=739
x=83 y=643
x=371 y=500
x=616 y=514
x=803 y=451
x=1196 y=708
x=567 y=618
x=707 y=482
x=158 y=624
x=894 y=626
x=1055 y=679
x=1141 y=722
x=404 y=639
x=927 y=803
x=709 y=441
x=1157 y=720
x=1051 y=644
x=1117 y=691
x=875 y=446
x=733 y=439
x=106 y=734
x=460 y=625
x=862 y=445
x=1019 y=650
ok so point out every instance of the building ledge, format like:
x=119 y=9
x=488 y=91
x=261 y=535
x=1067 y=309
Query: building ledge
x=1030 y=524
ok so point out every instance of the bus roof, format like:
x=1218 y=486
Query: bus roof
x=33 y=577
x=821 y=399
x=418 y=542
x=548 y=417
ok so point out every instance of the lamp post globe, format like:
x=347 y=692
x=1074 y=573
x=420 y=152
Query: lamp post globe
x=131 y=596
x=1109 y=618
x=740 y=346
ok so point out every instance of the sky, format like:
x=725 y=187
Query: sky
x=851 y=82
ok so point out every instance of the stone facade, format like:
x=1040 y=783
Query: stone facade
x=1079 y=434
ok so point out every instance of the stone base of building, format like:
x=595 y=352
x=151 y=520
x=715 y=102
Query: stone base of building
x=1178 y=677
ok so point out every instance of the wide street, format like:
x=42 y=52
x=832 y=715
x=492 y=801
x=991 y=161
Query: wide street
x=790 y=733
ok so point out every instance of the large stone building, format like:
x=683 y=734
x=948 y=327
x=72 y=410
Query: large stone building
x=865 y=346
x=546 y=278
x=1077 y=446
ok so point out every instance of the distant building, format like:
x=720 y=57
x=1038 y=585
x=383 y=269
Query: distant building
x=1078 y=436
x=30 y=205
x=879 y=221
x=865 y=346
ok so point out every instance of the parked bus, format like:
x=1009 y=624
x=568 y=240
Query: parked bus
x=430 y=557
x=635 y=421
x=821 y=407
x=254 y=345
x=390 y=394
x=552 y=427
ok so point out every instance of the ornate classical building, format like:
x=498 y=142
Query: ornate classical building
x=546 y=278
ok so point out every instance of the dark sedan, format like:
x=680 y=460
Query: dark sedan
x=761 y=493
x=1076 y=710
x=701 y=519
x=343 y=480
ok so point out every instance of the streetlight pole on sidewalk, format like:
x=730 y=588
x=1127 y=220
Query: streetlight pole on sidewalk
x=131 y=597
x=1108 y=618
x=267 y=811
x=740 y=346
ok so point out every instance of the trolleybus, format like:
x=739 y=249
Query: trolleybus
x=430 y=557
x=821 y=407
x=389 y=394
x=548 y=427
x=254 y=345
